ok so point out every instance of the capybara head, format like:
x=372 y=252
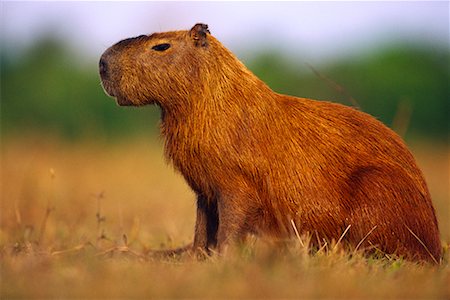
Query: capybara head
x=160 y=68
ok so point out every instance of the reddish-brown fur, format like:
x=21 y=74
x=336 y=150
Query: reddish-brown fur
x=259 y=160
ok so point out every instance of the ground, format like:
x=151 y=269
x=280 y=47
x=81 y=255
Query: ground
x=78 y=220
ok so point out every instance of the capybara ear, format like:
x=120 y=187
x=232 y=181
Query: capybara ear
x=198 y=34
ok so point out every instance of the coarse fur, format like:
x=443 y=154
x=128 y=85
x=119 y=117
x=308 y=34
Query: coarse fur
x=260 y=161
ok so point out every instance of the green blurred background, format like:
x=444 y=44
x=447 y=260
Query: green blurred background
x=48 y=87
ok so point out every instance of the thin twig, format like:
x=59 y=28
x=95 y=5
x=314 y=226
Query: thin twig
x=17 y=213
x=318 y=239
x=365 y=237
x=423 y=244
x=381 y=251
x=323 y=247
x=48 y=210
x=402 y=117
x=99 y=217
x=340 y=89
x=74 y=249
x=122 y=249
x=342 y=236
x=296 y=233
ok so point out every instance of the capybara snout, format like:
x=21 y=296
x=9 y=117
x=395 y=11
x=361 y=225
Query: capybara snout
x=261 y=162
x=115 y=64
x=103 y=68
x=145 y=69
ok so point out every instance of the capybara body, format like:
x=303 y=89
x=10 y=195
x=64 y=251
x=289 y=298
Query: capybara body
x=261 y=162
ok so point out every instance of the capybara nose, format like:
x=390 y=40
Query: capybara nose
x=103 y=68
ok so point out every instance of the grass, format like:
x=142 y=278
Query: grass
x=78 y=220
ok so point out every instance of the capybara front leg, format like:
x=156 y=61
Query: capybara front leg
x=231 y=224
x=206 y=225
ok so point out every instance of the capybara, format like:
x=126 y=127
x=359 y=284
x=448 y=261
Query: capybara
x=261 y=162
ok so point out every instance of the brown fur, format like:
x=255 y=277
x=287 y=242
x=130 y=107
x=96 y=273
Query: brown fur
x=257 y=159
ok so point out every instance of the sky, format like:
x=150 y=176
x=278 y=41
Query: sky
x=317 y=30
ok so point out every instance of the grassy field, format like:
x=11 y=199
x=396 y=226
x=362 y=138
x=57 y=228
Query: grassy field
x=77 y=220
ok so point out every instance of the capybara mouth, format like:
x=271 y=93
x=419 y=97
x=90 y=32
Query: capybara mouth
x=108 y=87
x=122 y=101
x=111 y=91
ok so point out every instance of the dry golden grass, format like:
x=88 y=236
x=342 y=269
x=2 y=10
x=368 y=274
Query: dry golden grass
x=77 y=221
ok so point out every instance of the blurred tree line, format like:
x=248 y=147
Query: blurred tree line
x=49 y=90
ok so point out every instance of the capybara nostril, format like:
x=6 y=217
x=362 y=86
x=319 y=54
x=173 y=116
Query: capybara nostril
x=103 y=67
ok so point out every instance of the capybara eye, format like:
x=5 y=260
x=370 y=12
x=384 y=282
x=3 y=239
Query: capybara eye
x=161 y=47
